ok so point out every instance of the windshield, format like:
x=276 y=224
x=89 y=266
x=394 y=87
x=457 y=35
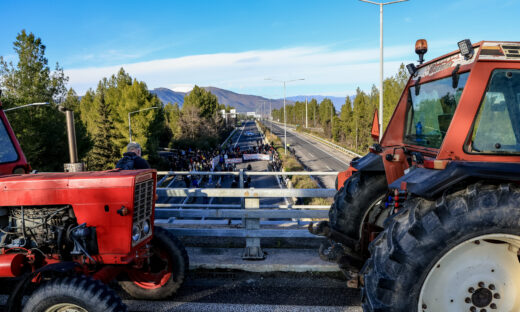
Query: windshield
x=7 y=150
x=430 y=109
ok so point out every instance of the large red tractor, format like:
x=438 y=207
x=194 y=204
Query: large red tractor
x=438 y=199
x=65 y=236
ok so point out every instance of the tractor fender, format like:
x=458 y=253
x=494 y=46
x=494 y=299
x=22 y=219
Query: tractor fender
x=371 y=162
x=14 y=302
x=430 y=183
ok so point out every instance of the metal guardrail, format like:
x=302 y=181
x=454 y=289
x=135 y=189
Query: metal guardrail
x=249 y=210
x=335 y=146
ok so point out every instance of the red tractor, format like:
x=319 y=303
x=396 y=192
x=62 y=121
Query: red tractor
x=438 y=199
x=65 y=236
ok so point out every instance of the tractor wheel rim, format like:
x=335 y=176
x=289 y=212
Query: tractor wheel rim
x=480 y=274
x=65 y=307
x=366 y=215
x=155 y=278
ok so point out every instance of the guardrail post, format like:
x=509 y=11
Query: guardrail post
x=241 y=184
x=252 y=251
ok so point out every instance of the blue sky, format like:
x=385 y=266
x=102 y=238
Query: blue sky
x=235 y=45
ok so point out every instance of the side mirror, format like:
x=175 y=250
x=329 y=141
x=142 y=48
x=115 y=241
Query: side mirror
x=375 y=127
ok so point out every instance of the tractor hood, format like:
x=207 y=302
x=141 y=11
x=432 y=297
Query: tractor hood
x=71 y=188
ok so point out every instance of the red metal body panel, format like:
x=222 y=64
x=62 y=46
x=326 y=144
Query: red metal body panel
x=88 y=193
x=8 y=168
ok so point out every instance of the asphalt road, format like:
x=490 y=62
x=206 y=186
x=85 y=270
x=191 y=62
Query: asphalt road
x=250 y=292
x=314 y=154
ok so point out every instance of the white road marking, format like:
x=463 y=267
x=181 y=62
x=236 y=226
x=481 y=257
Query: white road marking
x=238 y=140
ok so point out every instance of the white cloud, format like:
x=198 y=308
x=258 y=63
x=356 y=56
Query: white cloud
x=334 y=72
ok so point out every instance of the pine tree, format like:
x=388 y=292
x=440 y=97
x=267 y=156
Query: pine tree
x=41 y=130
x=104 y=153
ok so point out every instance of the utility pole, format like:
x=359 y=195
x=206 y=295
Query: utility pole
x=306 y=119
x=271 y=115
x=381 y=4
x=314 y=116
x=284 y=111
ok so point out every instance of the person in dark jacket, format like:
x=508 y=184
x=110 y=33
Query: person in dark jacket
x=132 y=158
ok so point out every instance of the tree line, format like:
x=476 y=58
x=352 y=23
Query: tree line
x=351 y=126
x=101 y=115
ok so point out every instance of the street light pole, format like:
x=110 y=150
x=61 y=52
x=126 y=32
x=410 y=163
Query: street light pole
x=284 y=112
x=130 y=123
x=381 y=4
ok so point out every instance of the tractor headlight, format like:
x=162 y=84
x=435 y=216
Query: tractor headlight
x=146 y=227
x=136 y=233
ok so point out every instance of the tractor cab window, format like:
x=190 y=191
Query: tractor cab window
x=496 y=129
x=431 y=107
x=7 y=150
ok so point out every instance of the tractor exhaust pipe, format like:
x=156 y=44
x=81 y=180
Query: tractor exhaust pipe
x=74 y=165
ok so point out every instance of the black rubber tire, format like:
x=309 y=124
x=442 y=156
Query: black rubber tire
x=82 y=291
x=420 y=234
x=164 y=241
x=352 y=201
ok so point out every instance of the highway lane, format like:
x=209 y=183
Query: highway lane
x=314 y=154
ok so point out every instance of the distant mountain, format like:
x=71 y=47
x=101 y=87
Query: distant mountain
x=243 y=102
x=169 y=96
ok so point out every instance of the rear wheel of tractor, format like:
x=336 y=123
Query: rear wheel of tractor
x=458 y=253
x=361 y=195
x=74 y=294
x=165 y=272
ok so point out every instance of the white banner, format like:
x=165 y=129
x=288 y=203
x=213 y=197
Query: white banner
x=255 y=157
x=233 y=160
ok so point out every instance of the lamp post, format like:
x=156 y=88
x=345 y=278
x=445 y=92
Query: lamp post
x=284 y=112
x=381 y=4
x=130 y=123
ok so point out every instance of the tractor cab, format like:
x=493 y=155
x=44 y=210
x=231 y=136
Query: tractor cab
x=12 y=159
x=437 y=119
x=457 y=123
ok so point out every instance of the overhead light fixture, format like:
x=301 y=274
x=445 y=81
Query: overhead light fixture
x=466 y=49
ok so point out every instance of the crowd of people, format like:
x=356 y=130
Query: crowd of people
x=211 y=160
x=219 y=159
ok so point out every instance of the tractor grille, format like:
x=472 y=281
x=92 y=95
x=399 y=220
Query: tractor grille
x=143 y=203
